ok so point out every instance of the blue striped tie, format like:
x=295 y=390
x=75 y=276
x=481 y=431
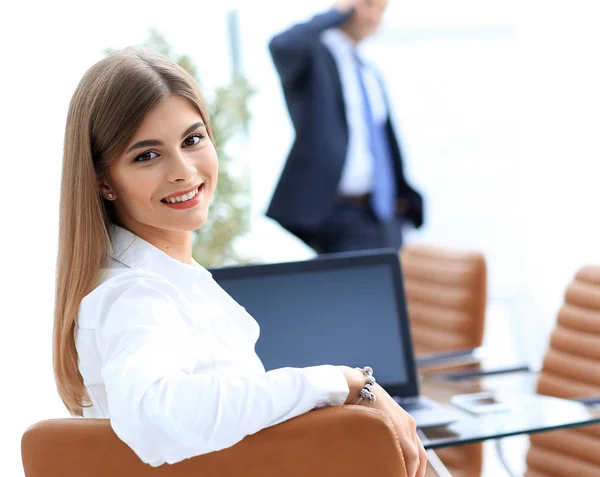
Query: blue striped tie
x=383 y=197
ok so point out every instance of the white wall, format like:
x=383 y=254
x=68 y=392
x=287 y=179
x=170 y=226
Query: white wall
x=497 y=103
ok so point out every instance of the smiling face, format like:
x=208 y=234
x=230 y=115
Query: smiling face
x=165 y=178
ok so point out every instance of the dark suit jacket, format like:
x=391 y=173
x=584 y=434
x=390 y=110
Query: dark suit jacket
x=308 y=186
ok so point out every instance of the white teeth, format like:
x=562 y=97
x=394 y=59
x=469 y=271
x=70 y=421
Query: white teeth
x=182 y=198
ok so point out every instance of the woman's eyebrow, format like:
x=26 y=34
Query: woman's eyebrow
x=193 y=127
x=155 y=142
x=144 y=143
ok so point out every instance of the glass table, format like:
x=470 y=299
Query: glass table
x=527 y=412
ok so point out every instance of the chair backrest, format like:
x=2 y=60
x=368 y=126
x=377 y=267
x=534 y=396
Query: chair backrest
x=338 y=441
x=446 y=297
x=571 y=369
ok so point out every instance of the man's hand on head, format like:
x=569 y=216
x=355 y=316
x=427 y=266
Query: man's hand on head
x=345 y=6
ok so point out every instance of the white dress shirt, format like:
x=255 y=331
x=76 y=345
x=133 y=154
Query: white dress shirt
x=169 y=357
x=357 y=175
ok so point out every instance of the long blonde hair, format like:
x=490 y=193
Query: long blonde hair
x=107 y=108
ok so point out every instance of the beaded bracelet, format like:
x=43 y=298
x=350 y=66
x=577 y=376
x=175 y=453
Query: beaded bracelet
x=366 y=392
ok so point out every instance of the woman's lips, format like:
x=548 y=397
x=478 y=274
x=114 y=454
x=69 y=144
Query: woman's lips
x=183 y=192
x=187 y=204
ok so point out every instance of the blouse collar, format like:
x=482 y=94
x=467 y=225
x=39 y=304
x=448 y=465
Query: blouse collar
x=135 y=252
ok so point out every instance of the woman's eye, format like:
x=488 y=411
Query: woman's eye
x=146 y=156
x=193 y=140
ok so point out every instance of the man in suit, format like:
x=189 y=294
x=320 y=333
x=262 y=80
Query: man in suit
x=342 y=187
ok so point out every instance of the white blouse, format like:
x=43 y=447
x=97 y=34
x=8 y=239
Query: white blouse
x=169 y=357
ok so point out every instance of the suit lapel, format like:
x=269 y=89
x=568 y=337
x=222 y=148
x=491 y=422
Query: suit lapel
x=337 y=81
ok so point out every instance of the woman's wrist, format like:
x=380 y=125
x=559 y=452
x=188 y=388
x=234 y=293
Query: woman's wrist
x=356 y=381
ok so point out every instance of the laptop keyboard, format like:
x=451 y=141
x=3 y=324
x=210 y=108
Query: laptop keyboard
x=413 y=404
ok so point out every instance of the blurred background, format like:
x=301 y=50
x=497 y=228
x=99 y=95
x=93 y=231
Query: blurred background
x=496 y=104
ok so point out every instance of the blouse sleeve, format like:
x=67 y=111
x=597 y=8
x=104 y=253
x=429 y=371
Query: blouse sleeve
x=164 y=408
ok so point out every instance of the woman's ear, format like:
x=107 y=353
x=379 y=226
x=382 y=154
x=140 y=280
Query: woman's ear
x=105 y=189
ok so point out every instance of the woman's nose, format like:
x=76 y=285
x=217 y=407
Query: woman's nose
x=182 y=168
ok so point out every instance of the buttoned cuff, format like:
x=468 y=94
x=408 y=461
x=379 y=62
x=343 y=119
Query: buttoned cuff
x=329 y=384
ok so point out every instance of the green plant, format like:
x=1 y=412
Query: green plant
x=229 y=217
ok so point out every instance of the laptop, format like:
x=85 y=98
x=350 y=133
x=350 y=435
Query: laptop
x=336 y=309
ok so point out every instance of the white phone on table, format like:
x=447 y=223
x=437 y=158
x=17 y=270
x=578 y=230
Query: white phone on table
x=480 y=403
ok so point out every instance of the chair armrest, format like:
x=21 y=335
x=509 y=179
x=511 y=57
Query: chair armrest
x=593 y=401
x=437 y=365
x=445 y=359
x=484 y=372
x=346 y=440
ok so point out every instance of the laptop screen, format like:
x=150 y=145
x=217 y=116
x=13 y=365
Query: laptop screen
x=346 y=310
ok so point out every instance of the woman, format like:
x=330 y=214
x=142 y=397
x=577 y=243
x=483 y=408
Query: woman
x=143 y=334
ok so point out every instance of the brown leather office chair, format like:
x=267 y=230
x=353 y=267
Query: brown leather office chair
x=571 y=369
x=339 y=441
x=446 y=297
x=446 y=294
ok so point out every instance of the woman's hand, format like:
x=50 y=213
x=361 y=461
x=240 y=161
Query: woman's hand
x=414 y=453
x=415 y=456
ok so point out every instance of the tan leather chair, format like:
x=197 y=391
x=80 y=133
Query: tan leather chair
x=340 y=441
x=446 y=297
x=571 y=370
x=446 y=294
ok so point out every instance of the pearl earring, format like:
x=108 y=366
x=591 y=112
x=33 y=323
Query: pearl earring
x=110 y=196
